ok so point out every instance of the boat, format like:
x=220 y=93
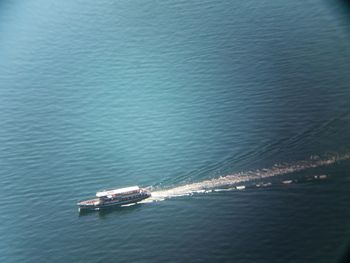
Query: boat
x=115 y=197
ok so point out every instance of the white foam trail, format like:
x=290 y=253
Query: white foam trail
x=217 y=184
x=224 y=189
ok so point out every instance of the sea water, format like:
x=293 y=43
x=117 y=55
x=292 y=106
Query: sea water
x=211 y=104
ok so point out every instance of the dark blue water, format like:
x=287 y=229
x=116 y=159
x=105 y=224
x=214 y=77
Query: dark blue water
x=99 y=94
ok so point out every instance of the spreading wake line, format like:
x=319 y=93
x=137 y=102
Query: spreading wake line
x=241 y=177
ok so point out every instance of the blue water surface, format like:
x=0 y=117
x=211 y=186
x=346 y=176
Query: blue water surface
x=98 y=94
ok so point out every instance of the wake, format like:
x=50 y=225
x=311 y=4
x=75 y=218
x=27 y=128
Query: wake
x=232 y=181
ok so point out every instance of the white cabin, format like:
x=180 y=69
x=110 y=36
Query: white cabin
x=120 y=191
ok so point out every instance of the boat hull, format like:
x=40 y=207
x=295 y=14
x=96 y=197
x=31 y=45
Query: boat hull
x=110 y=204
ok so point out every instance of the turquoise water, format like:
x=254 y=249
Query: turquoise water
x=169 y=95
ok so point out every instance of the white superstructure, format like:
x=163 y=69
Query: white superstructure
x=119 y=191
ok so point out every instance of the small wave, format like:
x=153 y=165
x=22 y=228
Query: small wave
x=322 y=176
x=128 y=205
x=263 y=184
x=287 y=181
x=230 y=182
